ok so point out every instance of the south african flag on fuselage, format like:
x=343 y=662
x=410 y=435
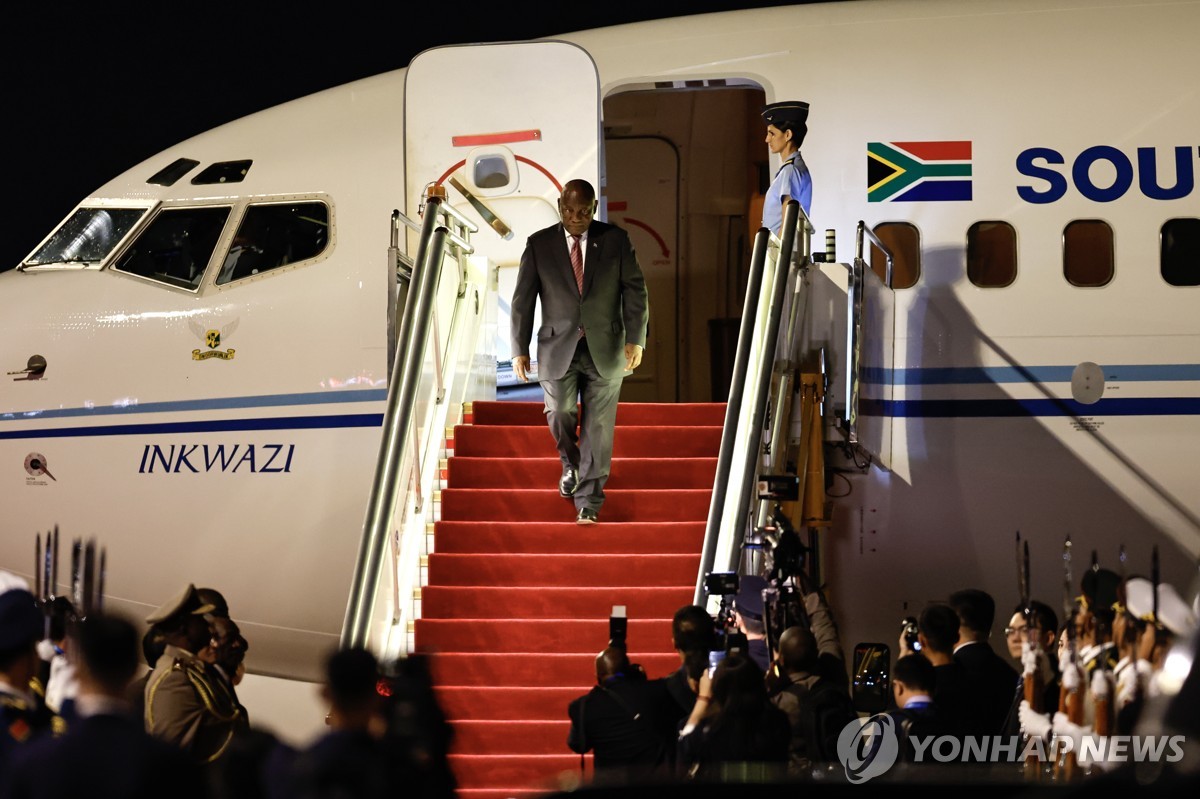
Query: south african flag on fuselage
x=918 y=171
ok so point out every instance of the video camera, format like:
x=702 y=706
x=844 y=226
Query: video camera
x=724 y=585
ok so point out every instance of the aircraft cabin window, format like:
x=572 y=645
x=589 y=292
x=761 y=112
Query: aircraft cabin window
x=176 y=246
x=490 y=172
x=275 y=235
x=170 y=174
x=87 y=237
x=223 y=172
x=1088 y=253
x=991 y=254
x=1179 y=244
x=903 y=240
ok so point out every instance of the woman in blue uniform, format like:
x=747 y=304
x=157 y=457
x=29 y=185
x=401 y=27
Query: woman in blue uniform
x=786 y=128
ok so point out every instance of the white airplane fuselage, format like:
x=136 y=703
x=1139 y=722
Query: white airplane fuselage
x=249 y=469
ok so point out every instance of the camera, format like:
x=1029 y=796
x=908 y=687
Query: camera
x=618 y=627
x=721 y=583
x=909 y=625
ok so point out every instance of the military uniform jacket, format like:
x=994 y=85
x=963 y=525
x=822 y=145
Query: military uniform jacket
x=22 y=720
x=187 y=705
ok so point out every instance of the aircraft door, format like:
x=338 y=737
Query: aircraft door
x=502 y=127
x=643 y=198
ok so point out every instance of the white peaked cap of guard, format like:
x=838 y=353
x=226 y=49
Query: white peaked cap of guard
x=9 y=581
x=1173 y=613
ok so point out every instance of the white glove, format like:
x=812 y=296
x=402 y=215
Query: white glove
x=62 y=683
x=1033 y=724
x=1127 y=685
x=1034 y=660
x=1064 y=728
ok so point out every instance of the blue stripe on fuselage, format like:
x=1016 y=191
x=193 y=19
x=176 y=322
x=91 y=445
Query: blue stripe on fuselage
x=209 y=426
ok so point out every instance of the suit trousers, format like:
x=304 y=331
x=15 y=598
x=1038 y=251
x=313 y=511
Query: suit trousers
x=582 y=391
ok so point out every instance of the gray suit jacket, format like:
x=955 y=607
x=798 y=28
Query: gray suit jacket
x=613 y=311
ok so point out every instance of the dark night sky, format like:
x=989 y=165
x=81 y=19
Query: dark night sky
x=94 y=89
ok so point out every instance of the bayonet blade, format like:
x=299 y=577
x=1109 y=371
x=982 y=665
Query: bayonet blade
x=1154 y=577
x=53 y=590
x=37 y=567
x=49 y=588
x=100 y=579
x=76 y=577
x=1025 y=576
x=89 y=579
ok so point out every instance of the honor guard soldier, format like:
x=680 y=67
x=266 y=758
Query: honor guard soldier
x=185 y=704
x=22 y=716
x=1095 y=620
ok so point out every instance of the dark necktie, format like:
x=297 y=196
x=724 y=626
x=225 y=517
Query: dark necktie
x=577 y=263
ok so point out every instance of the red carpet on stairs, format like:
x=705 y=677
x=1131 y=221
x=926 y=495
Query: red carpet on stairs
x=518 y=596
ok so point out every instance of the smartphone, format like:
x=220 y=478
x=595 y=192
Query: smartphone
x=714 y=657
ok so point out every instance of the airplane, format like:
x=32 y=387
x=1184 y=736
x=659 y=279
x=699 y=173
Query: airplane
x=1029 y=354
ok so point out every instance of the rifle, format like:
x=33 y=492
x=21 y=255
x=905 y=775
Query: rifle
x=1102 y=685
x=1031 y=652
x=1070 y=697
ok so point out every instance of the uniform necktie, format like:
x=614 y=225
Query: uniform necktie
x=577 y=263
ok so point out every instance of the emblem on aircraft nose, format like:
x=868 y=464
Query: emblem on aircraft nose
x=212 y=336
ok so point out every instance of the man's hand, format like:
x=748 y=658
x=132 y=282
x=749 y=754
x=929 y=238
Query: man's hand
x=521 y=367
x=633 y=356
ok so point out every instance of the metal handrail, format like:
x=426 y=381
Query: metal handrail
x=855 y=296
x=863 y=230
x=720 y=517
x=412 y=341
x=733 y=408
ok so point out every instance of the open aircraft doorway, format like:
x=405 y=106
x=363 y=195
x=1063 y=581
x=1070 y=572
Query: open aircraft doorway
x=685 y=169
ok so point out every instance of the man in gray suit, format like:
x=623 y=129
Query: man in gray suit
x=595 y=312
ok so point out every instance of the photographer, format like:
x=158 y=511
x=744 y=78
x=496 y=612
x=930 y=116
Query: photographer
x=626 y=720
x=694 y=635
x=733 y=722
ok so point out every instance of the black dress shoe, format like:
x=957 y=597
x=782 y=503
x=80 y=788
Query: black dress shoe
x=568 y=483
x=587 y=516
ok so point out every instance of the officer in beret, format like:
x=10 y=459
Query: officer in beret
x=184 y=703
x=787 y=125
x=748 y=614
x=23 y=717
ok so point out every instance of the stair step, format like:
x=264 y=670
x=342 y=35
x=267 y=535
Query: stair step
x=678 y=441
x=545 y=505
x=536 y=635
x=490 y=703
x=566 y=537
x=627 y=473
x=521 y=669
x=489 y=770
x=541 y=602
x=579 y=571
x=701 y=414
x=510 y=737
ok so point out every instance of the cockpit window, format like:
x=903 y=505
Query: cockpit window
x=273 y=235
x=176 y=246
x=87 y=237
